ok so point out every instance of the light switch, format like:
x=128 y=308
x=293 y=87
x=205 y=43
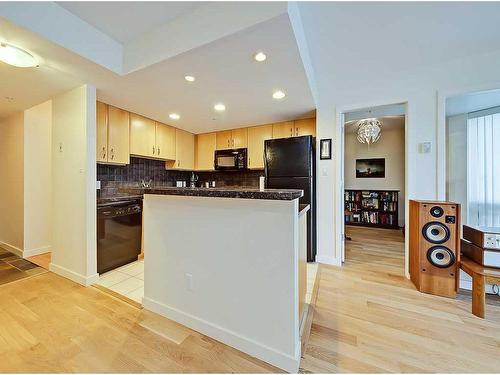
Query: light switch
x=98 y=185
x=424 y=147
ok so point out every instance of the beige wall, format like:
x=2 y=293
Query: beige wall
x=391 y=146
x=73 y=185
x=11 y=183
x=37 y=179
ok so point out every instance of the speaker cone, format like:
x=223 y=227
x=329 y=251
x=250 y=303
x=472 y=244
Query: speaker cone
x=436 y=232
x=440 y=256
x=437 y=211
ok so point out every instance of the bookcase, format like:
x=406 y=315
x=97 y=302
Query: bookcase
x=372 y=208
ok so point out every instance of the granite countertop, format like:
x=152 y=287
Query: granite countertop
x=117 y=198
x=222 y=192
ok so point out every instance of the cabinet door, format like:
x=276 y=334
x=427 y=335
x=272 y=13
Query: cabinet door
x=142 y=136
x=165 y=141
x=184 y=148
x=118 y=136
x=205 y=151
x=224 y=140
x=256 y=137
x=283 y=129
x=239 y=138
x=305 y=127
x=102 y=132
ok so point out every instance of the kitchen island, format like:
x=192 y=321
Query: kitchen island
x=229 y=263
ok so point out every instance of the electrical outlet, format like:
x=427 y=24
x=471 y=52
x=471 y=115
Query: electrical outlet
x=189 y=282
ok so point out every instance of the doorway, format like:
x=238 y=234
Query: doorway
x=374 y=187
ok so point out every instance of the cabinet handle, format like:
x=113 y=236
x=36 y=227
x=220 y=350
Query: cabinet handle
x=296 y=131
x=233 y=142
x=153 y=150
x=158 y=150
x=291 y=132
x=228 y=143
x=104 y=152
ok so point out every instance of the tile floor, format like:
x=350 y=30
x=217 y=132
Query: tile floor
x=14 y=268
x=127 y=280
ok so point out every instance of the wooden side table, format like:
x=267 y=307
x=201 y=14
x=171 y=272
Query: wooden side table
x=480 y=277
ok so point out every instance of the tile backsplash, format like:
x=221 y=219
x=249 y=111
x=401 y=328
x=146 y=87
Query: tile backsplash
x=113 y=177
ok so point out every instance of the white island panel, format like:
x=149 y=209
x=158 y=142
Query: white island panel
x=227 y=268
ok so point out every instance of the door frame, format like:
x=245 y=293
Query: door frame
x=339 y=160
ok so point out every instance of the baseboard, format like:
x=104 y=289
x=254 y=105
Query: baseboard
x=233 y=339
x=14 y=250
x=325 y=259
x=73 y=276
x=37 y=251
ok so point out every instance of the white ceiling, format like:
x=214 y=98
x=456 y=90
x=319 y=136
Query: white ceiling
x=225 y=72
x=139 y=17
x=353 y=44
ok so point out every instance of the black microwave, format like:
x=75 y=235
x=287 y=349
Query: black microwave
x=231 y=160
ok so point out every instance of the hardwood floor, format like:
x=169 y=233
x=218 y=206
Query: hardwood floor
x=369 y=318
x=50 y=324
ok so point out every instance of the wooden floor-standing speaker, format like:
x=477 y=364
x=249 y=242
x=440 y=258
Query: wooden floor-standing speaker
x=434 y=247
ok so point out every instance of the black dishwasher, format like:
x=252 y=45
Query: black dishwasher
x=119 y=230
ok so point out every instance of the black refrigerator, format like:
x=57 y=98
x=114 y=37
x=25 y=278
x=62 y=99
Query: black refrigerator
x=290 y=163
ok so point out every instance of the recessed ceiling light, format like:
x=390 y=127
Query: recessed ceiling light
x=189 y=78
x=220 y=107
x=260 y=56
x=15 y=56
x=278 y=94
x=174 y=116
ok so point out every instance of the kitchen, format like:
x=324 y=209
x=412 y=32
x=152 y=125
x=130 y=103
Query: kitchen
x=168 y=143
x=218 y=166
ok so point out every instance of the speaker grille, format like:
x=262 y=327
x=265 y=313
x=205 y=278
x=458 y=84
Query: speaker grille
x=440 y=256
x=436 y=232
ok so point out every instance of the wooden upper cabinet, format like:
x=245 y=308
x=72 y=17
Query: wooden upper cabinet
x=102 y=132
x=256 y=137
x=305 y=127
x=142 y=136
x=236 y=138
x=205 y=151
x=239 y=138
x=283 y=129
x=165 y=141
x=224 y=140
x=118 y=135
x=184 y=150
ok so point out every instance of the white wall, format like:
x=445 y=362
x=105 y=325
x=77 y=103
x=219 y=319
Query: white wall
x=11 y=183
x=242 y=256
x=456 y=161
x=73 y=182
x=391 y=146
x=419 y=87
x=37 y=179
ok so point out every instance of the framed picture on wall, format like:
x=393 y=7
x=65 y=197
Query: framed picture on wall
x=325 y=149
x=370 y=168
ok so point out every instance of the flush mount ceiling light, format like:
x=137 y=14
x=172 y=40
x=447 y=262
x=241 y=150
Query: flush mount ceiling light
x=220 y=107
x=278 y=94
x=15 y=56
x=174 y=116
x=369 y=130
x=189 y=78
x=260 y=57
